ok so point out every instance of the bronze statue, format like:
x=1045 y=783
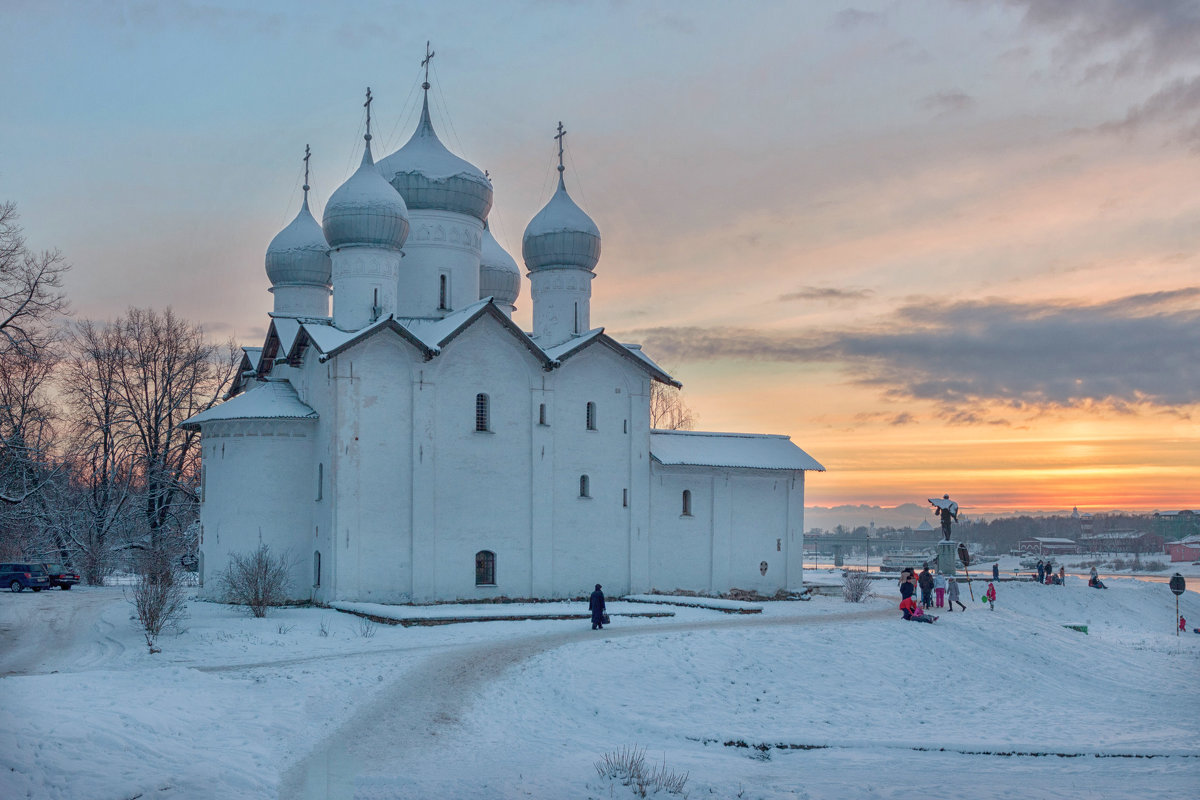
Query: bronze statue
x=947 y=510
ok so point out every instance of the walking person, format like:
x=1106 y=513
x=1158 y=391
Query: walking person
x=952 y=596
x=939 y=589
x=596 y=604
x=991 y=596
x=1041 y=571
x=1062 y=576
x=925 y=581
x=995 y=571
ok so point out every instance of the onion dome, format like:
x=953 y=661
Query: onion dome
x=499 y=275
x=561 y=235
x=299 y=253
x=429 y=176
x=366 y=210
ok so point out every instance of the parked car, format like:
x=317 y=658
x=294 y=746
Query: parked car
x=60 y=576
x=24 y=575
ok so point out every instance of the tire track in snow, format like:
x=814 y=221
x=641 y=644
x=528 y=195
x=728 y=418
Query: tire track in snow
x=417 y=713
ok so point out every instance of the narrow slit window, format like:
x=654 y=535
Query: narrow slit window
x=482 y=413
x=443 y=293
x=320 y=481
x=591 y=416
x=485 y=568
x=317 y=569
x=687 y=503
x=624 y=498
x=542 y=414
x=577 y=318
x=585 y=489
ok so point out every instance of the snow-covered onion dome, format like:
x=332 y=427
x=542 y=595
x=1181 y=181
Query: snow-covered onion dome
x=429 y=176
x=366 y=210
x=299 y=252
x=561 y=235
x=499 y=275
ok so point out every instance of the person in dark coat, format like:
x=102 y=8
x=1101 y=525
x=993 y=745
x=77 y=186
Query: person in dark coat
x=1041 y=571
x=925 y=581
x=995 y=572
x=596 y=604
x=906 y=586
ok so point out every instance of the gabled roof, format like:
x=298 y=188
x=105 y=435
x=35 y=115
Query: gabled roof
x=272 y=399
x=745 y=450
x=633 y=352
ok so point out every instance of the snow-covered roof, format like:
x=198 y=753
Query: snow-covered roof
x=1049 y=540
x=253 y=355
x=561 y=352
x=270 y=399
x=747 y=450
x=366 y=210
x=924 y=526
x=299 y=253
x=287 y=329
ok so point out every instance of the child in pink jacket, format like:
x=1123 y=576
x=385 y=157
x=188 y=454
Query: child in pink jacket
x=991 y=596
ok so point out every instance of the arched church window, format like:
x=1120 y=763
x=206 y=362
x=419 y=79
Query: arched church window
x=585 y=489
x=485 y=568
x=316 y=569
x=687 y=503
x=483 y=420
x=591 y=416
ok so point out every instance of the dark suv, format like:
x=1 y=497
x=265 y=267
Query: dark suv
x=24 y=575
x=60 y=576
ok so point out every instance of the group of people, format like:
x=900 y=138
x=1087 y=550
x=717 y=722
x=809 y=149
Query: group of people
x=936 y=591
x=1047 y=575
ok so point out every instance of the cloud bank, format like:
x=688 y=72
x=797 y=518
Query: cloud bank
x=1139 y=350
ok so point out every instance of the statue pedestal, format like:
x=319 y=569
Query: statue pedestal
x=947 y=558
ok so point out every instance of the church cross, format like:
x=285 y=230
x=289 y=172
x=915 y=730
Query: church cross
x=307 y=154
x=429 y=54
x=561 y=135
x=367 y=106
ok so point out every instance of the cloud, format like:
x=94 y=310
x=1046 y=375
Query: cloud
x=1127 y=353
x=849 y=19
x=826 y=294
x=943 y=104
x=1177 y=105
x=1118 y=38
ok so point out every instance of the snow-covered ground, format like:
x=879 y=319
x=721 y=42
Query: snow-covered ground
x=818 y=699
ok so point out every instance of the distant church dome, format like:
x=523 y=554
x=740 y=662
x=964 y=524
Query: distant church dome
x=561 y=235
x=499 y=275
x=429 y=176
x=299 y=253
x=366 y=210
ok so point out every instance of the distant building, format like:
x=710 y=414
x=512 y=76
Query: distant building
x=1187 y=549
x=1121 y=542
x=1048 y=546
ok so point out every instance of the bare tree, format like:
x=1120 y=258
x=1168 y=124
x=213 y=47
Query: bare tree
x=166 y=371
x=102 y=474
x=31 y=296
x=30 y=302
x=668 y=411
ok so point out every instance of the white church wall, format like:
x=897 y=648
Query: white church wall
x=315 y=386
x=255 y=486
x=591 y=535
x=740 y=520
x=439 y=243
x=482 y=479
x=372 y=481
x=681 y=545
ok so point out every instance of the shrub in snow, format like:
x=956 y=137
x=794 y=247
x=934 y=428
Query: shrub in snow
x=157 y=595
x=257 y=581
x=628 y=765
x=366 y=628
x=856 y=586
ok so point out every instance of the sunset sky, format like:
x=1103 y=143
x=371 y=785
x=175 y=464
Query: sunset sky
x=946 y=246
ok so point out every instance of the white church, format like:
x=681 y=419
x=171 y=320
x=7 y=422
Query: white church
x=406 y=442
